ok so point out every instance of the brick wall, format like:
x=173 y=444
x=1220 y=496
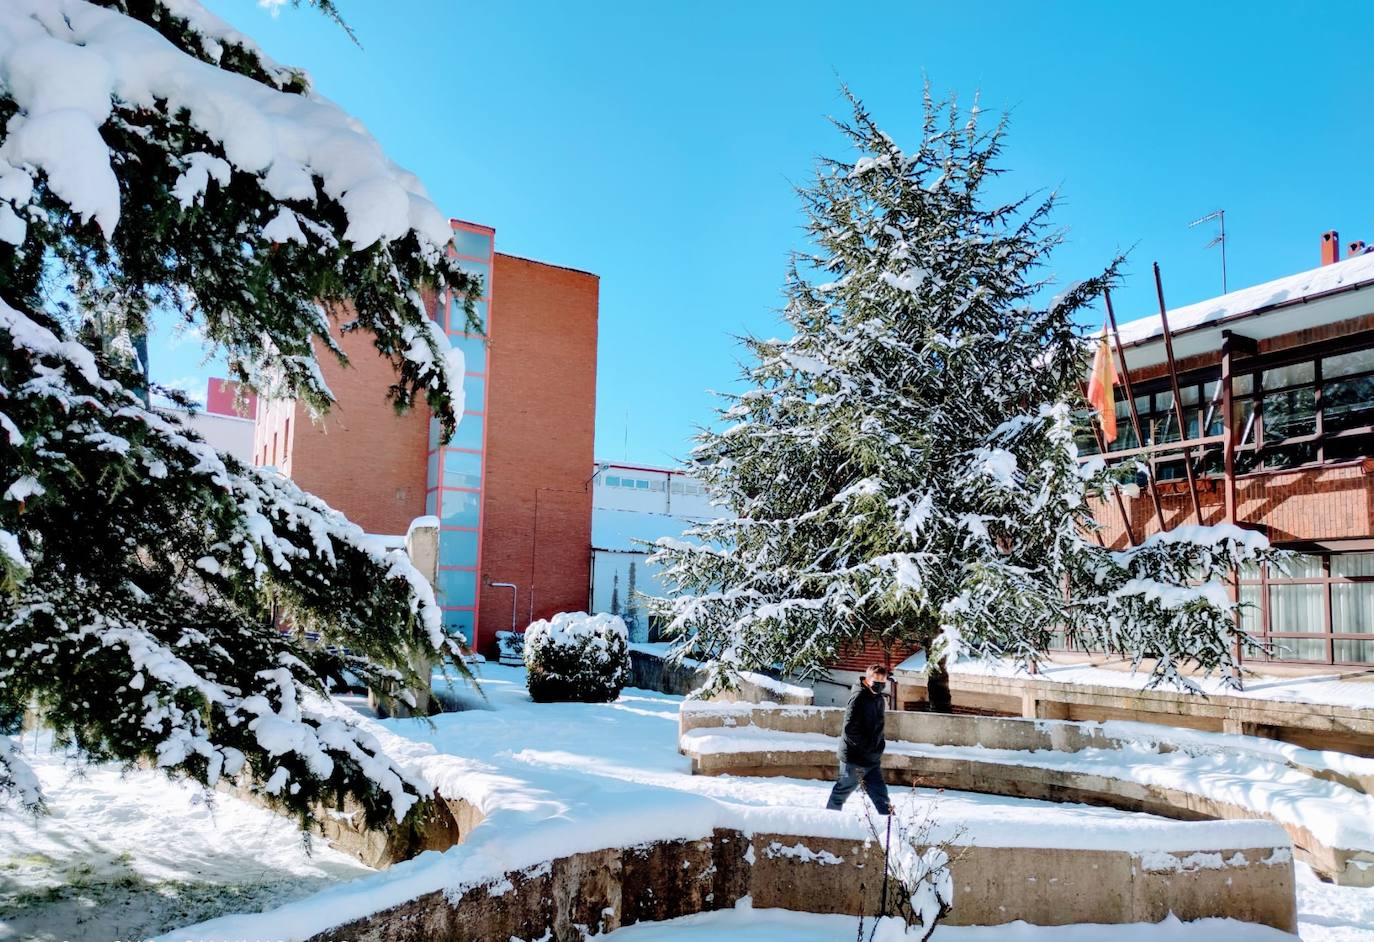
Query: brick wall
x=360 y=457
x=859 y=657
x=1331 y=502
x=541 y=410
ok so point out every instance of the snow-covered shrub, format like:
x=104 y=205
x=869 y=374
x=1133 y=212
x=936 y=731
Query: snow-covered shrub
x=576 y=656
x=918 y=865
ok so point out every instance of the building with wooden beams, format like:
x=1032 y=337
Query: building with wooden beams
x=1257 y=408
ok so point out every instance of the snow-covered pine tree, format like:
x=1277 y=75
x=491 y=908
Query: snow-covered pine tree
x=153 y=160
x=902 y=469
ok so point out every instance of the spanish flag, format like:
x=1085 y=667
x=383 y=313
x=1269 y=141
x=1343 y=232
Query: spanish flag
x=1102 y=388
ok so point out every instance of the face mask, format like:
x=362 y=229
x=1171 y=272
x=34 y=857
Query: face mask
x=877 y=686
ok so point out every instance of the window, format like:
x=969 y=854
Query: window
x=286 y=441
x=459 y=621
x=1320 y=609
x=641 y=485
x=612 y=481
x=458 y=548
x=462 y=469
x=274 y=447
x=459 y=508
x=469 y=433
x=457 y=587
x=474 y=393
x=1287 y=411
x=472 y=244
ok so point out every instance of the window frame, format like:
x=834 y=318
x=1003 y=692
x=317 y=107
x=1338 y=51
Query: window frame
x=1328 y=636
x=1253 y=453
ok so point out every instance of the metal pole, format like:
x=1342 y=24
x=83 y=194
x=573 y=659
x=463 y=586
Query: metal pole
x=1178 y=403
x=1221 y=216
x=1228 y=427
x=1130 y=400
x=1228 y=430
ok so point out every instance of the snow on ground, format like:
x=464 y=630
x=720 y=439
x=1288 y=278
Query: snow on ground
x=1329 y=913
x=1337 y=689
x=780 y=925
x=137 y=853
x=559 y=778
x=129 y=854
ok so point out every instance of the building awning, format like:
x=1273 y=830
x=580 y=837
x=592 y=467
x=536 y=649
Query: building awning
x=1326 y=295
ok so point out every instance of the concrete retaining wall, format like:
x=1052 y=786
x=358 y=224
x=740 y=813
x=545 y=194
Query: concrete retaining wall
x=648 y=671
x=1310 y=725
x=582 y=894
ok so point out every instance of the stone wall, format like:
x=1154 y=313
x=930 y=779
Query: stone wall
x=648 y=671
x=1310 y=725
x=585 y=894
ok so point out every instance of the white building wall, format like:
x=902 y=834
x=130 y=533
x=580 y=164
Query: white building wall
x=650 y=490
x=632 y=505
x=228 y=434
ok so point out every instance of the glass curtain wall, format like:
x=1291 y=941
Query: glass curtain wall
x=454 y=492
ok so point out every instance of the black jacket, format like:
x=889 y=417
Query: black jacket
x=863 y=741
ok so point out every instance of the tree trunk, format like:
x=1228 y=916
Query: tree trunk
x=937 y=686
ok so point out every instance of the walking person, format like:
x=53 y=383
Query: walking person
x=862 y=743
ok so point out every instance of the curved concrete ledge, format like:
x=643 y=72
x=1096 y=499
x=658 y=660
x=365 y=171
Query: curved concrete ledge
x=1025 y=759
x=590 y=893
x=1309 y=723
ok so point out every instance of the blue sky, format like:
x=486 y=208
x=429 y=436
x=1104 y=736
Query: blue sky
x=657 y=145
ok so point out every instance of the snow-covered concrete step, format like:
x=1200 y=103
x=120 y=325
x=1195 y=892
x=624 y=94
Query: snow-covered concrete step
x=1320 y=799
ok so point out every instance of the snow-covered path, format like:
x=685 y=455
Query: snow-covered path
x=129 y=854
x=780 y=925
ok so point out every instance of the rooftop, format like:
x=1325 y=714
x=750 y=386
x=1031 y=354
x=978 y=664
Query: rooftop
x=1325 y=295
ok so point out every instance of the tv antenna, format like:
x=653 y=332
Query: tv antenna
x=1218 y=239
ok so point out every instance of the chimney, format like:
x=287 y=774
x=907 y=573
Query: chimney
x=1331 y=247
x=1355 y=248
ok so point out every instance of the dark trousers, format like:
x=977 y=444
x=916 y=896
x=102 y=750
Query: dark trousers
x=850 y=776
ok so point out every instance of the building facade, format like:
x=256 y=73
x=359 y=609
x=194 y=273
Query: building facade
x=1257 y=409
x=227 y=421
x=511 y=490
x=633 y=506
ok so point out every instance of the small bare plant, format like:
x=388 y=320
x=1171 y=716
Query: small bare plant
x=918 y=875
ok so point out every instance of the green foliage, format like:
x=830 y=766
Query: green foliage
x=144 y=579
x=902 y=470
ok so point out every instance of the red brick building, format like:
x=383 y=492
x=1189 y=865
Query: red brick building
x=512 y=490
x=1273 y=389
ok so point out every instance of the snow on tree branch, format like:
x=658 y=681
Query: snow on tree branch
x=135 y=152
x=141 y=565
x=903 y=470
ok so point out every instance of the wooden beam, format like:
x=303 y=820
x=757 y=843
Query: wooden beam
x=1241 y=344
x=1187 y=443
x=1173 y=383
x=1130 y=402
